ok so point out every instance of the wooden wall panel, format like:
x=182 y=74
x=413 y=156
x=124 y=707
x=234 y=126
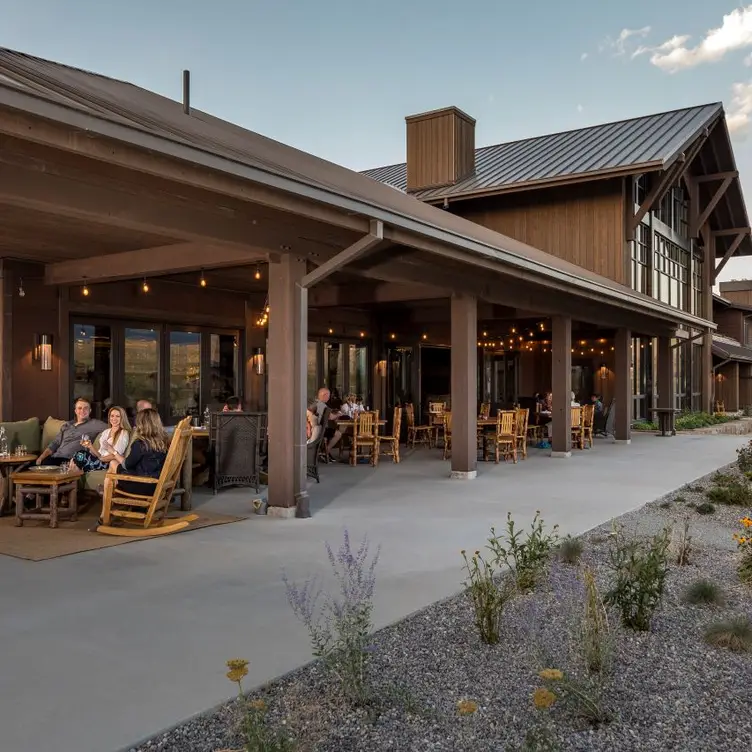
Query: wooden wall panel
x=583 y=224
x=744 y=297
x=730 y=323
x=745 y=385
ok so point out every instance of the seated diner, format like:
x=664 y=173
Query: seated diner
x=72 y=435
x=117 y=436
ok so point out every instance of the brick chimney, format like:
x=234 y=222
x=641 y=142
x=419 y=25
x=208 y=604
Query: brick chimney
x=738 y=291
x=440 y=148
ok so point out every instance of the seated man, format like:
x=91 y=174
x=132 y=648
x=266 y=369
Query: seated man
x=332 y=434
x=144 y=404
x=233 y=405
x=70 y=437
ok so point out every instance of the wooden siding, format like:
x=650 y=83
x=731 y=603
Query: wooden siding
x=581 y=224
x=745 y=385
x=440 y=148
x=743 y=297
x=730 y=323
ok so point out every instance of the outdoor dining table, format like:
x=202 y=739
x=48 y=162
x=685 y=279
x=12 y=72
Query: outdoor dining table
x=7 y=466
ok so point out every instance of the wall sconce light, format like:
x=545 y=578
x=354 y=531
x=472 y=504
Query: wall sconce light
x=42 y=352
x=603 y=372
x=381 y=369
x=259 y=361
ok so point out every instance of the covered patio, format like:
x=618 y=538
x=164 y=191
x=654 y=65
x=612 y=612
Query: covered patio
x=111 y=195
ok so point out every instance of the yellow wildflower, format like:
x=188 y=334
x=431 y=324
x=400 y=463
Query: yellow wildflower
x=238 y=669
x=551 y=674
x=258 y=705
x=543 y=698
x=467 y=707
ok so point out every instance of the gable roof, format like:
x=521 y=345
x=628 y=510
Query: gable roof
x=630 y=146
x=729 y=348
x=122 y=111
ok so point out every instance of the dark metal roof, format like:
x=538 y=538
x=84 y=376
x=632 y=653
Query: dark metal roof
x=731 y=349
x=122 y=111
x=645 y=142
x=726 y=303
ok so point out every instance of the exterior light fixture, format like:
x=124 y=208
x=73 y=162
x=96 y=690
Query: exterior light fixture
x=362 y=334
x=42 y=352
x=21 y=291
x=603 y=372
x=85 y=289
x=424 y=337
x=259 y=361
x=257 y=274
x=202 y=281
x=392 y=336
x=331 y=331
x=145 y=286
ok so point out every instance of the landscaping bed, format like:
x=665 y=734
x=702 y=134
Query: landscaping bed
x=434 y=685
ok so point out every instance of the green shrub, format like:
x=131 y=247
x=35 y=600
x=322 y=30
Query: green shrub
x=734 y=634
x=683 y=546
x=734 y=493
x=638 y=577
x=744 y=458
x=644 y=425
x=488 y=594
x=704 y=592
x=705 y=507
x=570 y=550
x=680 y=499
x=665 y=505
x=724 y=479
x=526 y=555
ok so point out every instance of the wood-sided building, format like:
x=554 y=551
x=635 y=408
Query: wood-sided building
x=732 y=345
x=149 y=249
x=653 y=203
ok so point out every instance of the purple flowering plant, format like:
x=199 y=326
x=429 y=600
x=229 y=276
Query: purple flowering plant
x=340 y=623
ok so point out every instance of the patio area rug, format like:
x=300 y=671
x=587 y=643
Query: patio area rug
x=36 y=541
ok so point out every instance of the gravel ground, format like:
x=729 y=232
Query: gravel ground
x=666 y=688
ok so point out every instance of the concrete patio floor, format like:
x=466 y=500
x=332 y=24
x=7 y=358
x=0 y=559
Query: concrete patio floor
x=105 y=648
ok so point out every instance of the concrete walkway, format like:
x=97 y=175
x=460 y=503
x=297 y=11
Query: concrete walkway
x=107 y=647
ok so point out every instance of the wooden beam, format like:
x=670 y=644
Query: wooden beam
x=730 y=251
x=706 y=212
x=368 y=292
x=149 y=262
x=715 y=176
x=359 y=248
x=732 y=231
x=672 y=175
x=694 y=206
x=144 y=211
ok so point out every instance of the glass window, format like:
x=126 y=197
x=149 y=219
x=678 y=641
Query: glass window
x=185 y=374
x=357 y=370
x=334 y=367
x=223 y=367
x=92 y=366
x=141 y=366
x=670 y=273
x=640 y=256
x=313 y=373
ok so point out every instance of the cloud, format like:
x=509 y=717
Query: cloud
x=739 y=112
x=748 y=60
x=734 y=33
x=620 y=45
x=580 y=108
x=584 y=56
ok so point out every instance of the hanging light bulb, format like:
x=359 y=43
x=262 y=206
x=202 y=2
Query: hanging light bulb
x=21 y=291
x=202 y=281
x=85 y=289
x=257 y=274
x=145 y=286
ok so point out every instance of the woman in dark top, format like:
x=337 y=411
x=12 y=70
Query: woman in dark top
x=147 y=455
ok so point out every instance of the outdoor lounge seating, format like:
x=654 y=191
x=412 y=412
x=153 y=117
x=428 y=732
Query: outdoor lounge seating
x=235 y=440
x=144 y=515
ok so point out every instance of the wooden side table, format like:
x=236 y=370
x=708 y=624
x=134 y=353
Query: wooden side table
x=7 y=466
x=58 y=486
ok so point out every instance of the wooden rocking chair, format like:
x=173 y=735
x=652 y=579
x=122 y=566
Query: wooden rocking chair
x=127 y=506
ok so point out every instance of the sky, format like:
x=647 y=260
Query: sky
x=336 y=78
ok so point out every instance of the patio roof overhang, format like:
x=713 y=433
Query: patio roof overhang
x=198 y=198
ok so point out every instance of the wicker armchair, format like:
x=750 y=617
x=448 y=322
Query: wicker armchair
x=236 y=447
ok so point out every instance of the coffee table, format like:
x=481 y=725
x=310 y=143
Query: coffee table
x=58 y=486
x=7 y=466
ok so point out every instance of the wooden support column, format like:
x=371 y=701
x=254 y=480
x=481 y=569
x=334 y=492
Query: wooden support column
x=6 y=341
x=288 y=336
x=666 y=375
x=623 y=387
x=708 y=272
x=561 y=386
x=464 y=386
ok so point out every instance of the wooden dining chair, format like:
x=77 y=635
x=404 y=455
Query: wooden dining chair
x=576 y=418
x=485 y=411
x=504 y=438
x=365 y=440
x=393 y=441
x=417 y=434
x=447 y=433
x=520 y=430
x=588 y=419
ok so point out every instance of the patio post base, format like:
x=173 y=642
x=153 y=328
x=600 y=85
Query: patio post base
x=561 y=455
x=285 y=513
x=463 y=475
x=622 y=441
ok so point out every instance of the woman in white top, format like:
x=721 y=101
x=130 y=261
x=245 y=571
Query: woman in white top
x=116 y=437
x=313 y=427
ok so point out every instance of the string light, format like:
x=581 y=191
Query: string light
x=331 y=331
x=392 y=336
x=145 y=285
x=202 y=281
x=362 y=334
x=257 y=275
x=424 y=337
x=85 y=289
